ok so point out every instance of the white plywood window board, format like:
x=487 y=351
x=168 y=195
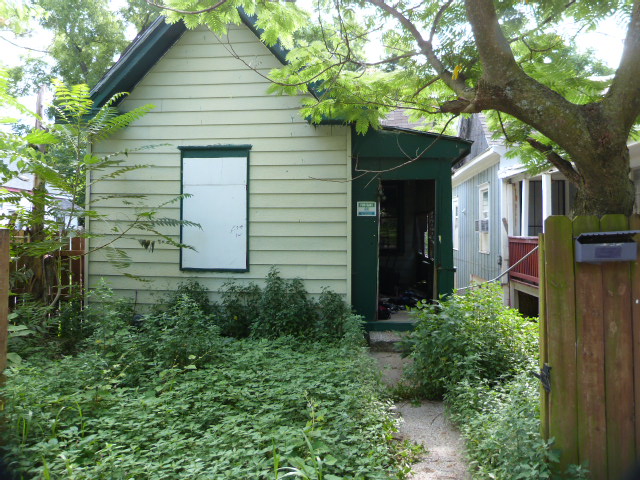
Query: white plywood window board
x=218 y=202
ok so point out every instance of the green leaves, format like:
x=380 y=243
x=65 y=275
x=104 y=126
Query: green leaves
x=473 y=336
x=260 y=409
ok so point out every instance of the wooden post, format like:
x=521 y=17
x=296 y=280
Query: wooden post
x=560 y=318
x=542 y=325
x=4 y=296
x=634 y=224
x=592 y=430
x=618 y=346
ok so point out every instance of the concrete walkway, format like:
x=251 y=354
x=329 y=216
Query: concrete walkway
x=425 y=424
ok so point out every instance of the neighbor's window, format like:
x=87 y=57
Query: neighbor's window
x=456 y=222
x=483 y=222
x=214 y=182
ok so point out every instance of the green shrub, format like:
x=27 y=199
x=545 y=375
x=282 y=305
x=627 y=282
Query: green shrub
x=179 y=337
x=62 y=331
x=501 y=426
x=469 y=337
x=183 y=335
x=284 y=309
x=239 y=307
x=334 y=316
x=191 y=289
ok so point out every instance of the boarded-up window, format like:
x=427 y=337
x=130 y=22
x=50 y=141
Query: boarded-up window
x=214 y=182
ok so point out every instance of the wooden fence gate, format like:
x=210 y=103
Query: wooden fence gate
x=590 y=337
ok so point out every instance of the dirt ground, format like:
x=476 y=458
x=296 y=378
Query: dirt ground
x=426 y=424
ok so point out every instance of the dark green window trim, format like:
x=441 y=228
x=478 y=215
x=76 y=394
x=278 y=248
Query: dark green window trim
x=214 y=151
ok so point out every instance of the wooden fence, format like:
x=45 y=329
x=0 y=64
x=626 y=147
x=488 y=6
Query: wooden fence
x=590 y=337
x=71 y=275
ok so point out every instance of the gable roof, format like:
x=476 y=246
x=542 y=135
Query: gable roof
x=151 y=44
x=149 y=47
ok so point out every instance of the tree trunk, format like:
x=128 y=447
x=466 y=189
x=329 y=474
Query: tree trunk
x=604 y=186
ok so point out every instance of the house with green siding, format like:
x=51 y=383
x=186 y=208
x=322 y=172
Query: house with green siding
x=267 y=187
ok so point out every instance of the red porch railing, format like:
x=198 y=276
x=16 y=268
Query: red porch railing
x=527 y=271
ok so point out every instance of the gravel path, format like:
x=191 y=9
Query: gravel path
x=426 y=424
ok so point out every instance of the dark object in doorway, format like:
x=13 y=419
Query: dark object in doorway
x=408 y=298
x=383 y=312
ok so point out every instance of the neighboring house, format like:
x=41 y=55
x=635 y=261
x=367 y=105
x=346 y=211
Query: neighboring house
x=268 y=188
x=498 y=210
x=23 y=184
x=17 y=185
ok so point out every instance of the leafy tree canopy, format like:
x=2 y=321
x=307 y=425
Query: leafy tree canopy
x=87 y=36
x=514 y=59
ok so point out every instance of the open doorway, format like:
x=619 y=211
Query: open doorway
x=406 y=247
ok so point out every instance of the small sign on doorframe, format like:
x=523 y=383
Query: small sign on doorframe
x=367 y=209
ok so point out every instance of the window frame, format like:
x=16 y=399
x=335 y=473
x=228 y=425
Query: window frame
x=485 y=187
x=215 y=151
x=455 y=218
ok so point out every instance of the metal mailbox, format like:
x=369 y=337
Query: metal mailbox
x=599 y=247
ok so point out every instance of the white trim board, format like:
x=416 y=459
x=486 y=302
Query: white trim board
x=488 y=159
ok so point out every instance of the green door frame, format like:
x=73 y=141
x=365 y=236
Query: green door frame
x=383 y=155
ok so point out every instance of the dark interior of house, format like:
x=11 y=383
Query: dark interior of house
x=406 y=246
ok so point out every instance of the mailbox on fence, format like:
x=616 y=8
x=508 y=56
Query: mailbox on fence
x=599 y=247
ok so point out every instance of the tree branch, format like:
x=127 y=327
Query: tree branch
x=499 y=64
x=426 y=47
x=622 y=102
x=188 y=12
x=544 y=22
x=22 y=46
x=556 y=160
x=437 y=19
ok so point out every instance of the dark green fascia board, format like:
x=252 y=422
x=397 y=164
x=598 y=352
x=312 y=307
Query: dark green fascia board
x=250 y=21
x=214 y=151
x=137 y=60
x=386 y=142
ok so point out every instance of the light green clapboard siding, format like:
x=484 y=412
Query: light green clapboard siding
x=259 y=257
x=215 y=104
x=298 y=191
x=257 y=215
x=158 y=118
x=273 y=200
x=273 y=144
x=258 y=173
x=222 y=64
x=265 y=244
x=308 y=186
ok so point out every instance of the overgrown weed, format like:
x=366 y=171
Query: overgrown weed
x=479 y=355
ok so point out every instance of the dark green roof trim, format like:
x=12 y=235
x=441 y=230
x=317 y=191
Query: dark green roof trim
x=394 y=142
x=328 y=121
x=215 y=147
x=250 y=21
x=143 y=53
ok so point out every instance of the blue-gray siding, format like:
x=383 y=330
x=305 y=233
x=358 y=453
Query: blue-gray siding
x=467 y=259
